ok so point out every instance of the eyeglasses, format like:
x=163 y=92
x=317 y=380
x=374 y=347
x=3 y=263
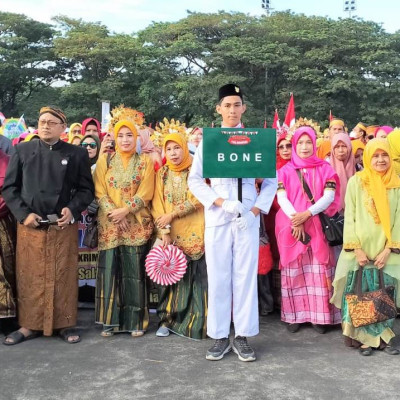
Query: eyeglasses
x=285 y=146
x=76 y=131
x=91 y=145
x=51 y=124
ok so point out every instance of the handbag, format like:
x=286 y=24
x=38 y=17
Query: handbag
x=371 y=307
x=331 y=226
x=91 y=237
x=265 y=261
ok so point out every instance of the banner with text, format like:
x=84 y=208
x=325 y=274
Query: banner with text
x=239 y=153
x=87 y=265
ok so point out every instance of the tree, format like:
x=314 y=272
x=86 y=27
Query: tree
x=27 y=60
x=174 y=69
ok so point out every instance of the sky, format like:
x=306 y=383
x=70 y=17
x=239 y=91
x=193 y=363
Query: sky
x=129 y=16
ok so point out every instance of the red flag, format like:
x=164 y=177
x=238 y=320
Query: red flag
x=290 y=118
x=265 y=123
x=276 y=124
x=330 y=115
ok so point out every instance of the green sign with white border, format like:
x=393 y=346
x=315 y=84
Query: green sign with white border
x=239 y=153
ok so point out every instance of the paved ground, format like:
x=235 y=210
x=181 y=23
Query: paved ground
x=305 y=365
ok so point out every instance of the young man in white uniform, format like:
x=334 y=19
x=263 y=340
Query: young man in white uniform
x=231 y=242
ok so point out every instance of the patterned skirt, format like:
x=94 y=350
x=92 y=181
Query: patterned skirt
x=121 y=298
x=182 y=307
x=7 y=267
x=306 y=290
x=370 y=335
x=47 y=277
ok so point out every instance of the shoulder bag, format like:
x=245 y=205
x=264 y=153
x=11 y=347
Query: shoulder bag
x=331 y=226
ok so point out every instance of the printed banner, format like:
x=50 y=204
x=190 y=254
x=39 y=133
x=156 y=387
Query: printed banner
x=87 y=265
x=239 y=153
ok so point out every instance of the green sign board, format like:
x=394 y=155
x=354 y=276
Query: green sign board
x=239 y=153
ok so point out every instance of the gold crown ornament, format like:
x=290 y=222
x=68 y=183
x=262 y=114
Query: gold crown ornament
x=306 y=122
x=166 y=127
x=122 y=112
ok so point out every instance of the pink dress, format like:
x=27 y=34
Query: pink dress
x=307 y=271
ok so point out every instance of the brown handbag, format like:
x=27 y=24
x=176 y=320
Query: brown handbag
x=371 y=307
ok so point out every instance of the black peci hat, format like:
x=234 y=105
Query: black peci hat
x=230 y=89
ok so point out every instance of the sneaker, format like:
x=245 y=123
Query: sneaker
x=243 y=350
x=162 y=331
x=219 y=349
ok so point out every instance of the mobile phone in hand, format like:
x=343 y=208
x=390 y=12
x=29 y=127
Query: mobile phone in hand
x=306 y=239
x=52 y=218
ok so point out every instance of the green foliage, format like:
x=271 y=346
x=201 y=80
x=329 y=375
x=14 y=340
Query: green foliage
x=27 y=62
x=174 y=69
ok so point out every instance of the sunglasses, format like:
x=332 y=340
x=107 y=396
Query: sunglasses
x=285 y=146
x=91 y=145
x=370 y=137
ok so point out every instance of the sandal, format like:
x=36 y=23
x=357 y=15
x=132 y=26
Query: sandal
x=19 y=337
x=107 y=333
x=65 y=334
x=137 y=333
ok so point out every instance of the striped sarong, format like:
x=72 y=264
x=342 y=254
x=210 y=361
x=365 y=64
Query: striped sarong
x=182 y=307
x=121 y=298
x=306 y=291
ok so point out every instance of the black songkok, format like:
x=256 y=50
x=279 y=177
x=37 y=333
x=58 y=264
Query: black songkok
x=230 y=90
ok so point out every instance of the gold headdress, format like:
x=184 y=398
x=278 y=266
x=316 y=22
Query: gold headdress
x=122 y=112
x=166 y=127
x=306 y=122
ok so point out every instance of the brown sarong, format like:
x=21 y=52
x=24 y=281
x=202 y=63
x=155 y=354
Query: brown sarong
x=47 y=277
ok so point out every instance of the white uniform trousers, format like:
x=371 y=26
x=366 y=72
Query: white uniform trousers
x=232 y=266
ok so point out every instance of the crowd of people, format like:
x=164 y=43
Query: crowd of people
x=147 y=188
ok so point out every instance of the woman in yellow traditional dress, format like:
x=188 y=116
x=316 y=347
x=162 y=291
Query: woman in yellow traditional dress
x=179 y=218
x=124 y=186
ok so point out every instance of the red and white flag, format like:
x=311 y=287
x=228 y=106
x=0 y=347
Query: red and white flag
x=276 y=125
x=290 y=117
x=330 y=116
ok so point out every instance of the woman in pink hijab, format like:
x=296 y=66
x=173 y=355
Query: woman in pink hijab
x=148 y=147
x=381 y=132
x=342 y=161
x=307 y=261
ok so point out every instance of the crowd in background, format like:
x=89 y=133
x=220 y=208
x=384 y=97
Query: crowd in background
x=140 y=192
